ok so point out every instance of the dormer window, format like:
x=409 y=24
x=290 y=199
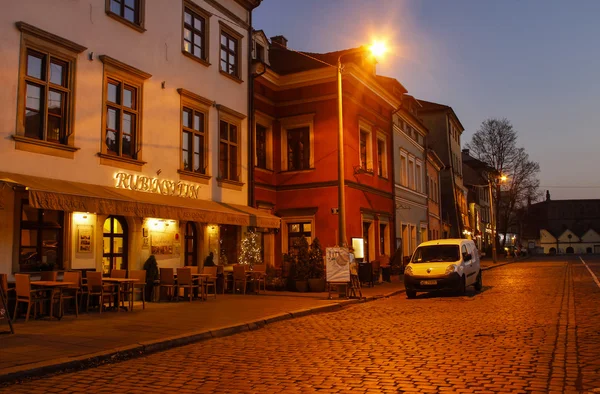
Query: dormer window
x=260 y=52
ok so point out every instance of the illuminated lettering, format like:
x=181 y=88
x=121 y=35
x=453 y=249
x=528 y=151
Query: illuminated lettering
x=155 y=185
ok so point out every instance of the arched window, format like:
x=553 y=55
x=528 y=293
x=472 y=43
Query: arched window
x=114 y=243
x=570 y=250
x=191 y=249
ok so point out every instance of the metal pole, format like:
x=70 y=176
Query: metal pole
x=341 y=196
x=493 y=217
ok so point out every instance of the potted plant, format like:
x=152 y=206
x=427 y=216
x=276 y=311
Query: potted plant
x=151 y=267
x=299 y=265
x=316 y=280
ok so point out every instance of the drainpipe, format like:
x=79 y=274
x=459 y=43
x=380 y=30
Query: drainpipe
x=250 y=79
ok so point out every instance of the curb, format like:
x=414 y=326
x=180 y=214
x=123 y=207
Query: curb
x=505 y=263
x=79 y=363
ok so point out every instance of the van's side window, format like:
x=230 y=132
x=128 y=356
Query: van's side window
x=463 y=250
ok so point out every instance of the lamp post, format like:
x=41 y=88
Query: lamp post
x=376 y=49
x=493 y=215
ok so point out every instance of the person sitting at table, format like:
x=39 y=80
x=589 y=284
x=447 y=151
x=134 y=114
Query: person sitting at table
x=209 y=261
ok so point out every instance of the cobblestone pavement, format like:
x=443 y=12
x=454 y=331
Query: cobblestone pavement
x=533 y=329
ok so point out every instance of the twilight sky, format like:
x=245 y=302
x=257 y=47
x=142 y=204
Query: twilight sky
x=535 y=62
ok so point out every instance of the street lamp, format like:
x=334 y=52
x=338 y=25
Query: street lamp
x=376 y=49
x=502 y=178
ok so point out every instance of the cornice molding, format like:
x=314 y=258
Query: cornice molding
x=370 y=189
x=231 y=112
x=124 y=67
x=53 y=38
x=195 y=97
x=215 y=4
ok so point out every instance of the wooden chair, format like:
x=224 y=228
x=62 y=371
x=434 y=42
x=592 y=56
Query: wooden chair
x=167 y=280
x=239 y=276
x=259 y=275
x=194 y=268
x=95 y=287
x=49 y=275
x=211 y=281
x=72 y=292
x=185 y=281
x=8 y=293
x=28 y=296
x=118 y=274
x=139 y=286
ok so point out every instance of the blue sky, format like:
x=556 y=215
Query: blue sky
x=535 y=62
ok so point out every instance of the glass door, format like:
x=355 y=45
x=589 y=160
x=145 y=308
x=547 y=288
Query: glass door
x=191 y=250
x=114 y=245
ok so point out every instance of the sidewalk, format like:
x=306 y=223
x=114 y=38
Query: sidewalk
x=43 y=346
x=487 y=263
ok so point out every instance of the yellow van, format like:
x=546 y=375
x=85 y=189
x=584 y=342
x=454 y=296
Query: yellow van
x=443 y=264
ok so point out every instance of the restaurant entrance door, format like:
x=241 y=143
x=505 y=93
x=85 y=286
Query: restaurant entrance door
x=115 y=244
x=191 y=245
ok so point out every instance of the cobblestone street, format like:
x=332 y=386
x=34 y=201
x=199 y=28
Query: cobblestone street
x=535 y=327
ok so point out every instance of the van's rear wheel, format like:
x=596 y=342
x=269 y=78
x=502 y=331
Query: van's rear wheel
x=462 y=287
x=411 y=294
x=479 y=282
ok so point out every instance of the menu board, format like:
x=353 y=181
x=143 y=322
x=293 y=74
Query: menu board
x=338 y=264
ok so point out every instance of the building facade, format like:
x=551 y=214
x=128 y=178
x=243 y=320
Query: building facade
x=445 y=131
x=125 y=133
x=296 y=149
x=410 y=180
x=475 y=177
x=434 y=165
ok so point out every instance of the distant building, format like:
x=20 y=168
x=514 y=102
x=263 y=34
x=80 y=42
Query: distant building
x=563 y=226
x=434 y=166
x=445 y=131
x=475 y=177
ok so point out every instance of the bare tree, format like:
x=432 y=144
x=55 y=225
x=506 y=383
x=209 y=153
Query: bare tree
x=495 y=143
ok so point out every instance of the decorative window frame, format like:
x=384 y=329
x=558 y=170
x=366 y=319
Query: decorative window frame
x=267 y=122
x=411 y=159
x=66 y=50
x=235 y=118
x=366 y=127
x=206 y=16
x=403 y=170
x=135 y=26
x=294 y=122
x=294 y=219
x=200 y=104
x=382 y=137
x=224 y=28
x=419 y=175
x=135 y=77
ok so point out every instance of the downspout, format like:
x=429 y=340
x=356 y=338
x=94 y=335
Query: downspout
x=450 y=158
x=251 y=201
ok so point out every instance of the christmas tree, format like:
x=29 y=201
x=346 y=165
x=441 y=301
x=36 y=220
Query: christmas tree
x=250 y=252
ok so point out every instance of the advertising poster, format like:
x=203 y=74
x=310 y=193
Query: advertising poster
x=161 y=243
x=338 y=264
x=84 y=239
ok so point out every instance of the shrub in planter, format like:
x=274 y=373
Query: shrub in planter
x=316 y=278
x=299 y=261
x=151 y=267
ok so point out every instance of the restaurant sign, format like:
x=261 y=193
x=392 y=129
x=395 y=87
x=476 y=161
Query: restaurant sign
x=154 y=185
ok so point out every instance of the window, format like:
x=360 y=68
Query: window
x=191 y=247
x=229 y=241
x=381 y=158
x=228 y=151
x=363 y=149
x=114 y=245
x=45 y=108
x=298 y=153
x=403 y=169
x=411 y=173
x=129 y=12
x=230 y=52
x=419 y=177
x=261 y=146
x=41 y=238
x=382 y=238
x=296 y=231
x=260 y=52
x=193 y=149
x=195 y=31
x=122 y=111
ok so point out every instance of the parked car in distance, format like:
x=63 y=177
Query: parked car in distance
x=443 y=264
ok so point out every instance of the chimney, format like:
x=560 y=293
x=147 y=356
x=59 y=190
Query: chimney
x=465 y=151
x=547 y=195
x=279 y=41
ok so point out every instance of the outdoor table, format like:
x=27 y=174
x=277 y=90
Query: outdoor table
x=118 y=282
x=201 y=278
x=52 y=285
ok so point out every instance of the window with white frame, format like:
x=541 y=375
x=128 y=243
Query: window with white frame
x=411 y=173
x=297 y=143
x=365 y=147
x=419 y=177
x=403 y=169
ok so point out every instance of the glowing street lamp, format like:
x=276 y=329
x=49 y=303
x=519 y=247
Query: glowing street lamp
x=377 y=49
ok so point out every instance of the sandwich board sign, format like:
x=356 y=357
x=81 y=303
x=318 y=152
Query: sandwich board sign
x=338 y=264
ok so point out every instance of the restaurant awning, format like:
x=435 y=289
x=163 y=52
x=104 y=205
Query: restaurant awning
x=70 y=196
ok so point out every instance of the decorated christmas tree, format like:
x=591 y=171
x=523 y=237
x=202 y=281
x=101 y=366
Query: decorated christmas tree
x=250 y=252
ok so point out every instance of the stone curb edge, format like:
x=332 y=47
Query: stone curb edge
x=505 y=263
x=79 y=363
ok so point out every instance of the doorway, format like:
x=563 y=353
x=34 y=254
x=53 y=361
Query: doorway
x=191 y=245
x=114 y=244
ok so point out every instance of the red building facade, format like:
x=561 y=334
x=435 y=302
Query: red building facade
x=296 y=150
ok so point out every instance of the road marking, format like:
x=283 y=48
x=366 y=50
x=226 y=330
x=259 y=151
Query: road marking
x=591 y=273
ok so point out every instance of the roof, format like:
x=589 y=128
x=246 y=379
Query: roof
x=284 y=61
x=389 y=82
x=428 y=106
x=472 y=177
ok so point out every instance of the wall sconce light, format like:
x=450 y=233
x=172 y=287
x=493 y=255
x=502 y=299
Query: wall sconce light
x=90 y=56
x=163 y=84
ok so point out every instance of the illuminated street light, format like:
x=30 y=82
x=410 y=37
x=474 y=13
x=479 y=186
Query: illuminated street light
x=377 y=49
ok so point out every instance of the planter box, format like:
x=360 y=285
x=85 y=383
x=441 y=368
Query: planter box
x=316 y=285
x=302 y=286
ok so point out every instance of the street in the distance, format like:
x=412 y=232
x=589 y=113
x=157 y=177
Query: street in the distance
x=532 y=329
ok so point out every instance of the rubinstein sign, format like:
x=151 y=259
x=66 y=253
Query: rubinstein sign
x=154 y=185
